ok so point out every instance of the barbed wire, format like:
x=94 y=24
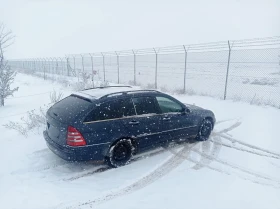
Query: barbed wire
x=203 y=47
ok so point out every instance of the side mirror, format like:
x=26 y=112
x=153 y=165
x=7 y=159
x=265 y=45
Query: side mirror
x=186 y=111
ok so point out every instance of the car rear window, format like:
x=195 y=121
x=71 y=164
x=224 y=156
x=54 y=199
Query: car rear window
x=69 y=108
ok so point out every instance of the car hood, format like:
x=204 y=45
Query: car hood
x=193 y=107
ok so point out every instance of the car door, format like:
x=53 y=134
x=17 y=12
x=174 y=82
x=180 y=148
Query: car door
x=146 y=126
x=180 y=123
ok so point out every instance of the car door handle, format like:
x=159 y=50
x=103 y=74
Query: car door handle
x=133 y=122
x=166 y=118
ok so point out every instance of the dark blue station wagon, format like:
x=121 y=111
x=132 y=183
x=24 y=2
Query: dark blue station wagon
x=116 y=122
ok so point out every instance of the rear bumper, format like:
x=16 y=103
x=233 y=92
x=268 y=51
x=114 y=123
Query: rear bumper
x=83 y=153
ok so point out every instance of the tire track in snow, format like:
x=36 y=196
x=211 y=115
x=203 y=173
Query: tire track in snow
x=203 y=161
x=243 y=150
x=206 y=159
x=235 y=125
x=174 y=162
x=212 y=158
x=159 y=172
x=222 y=121
x=167 y=167
x=232 y=165
x=213 y=151
x=228 y=173
x=274 y=164
x=226 y=130
x=249 y=145
x=40 y=152
x=105 y=168
x=88 y=173
x=41 y=168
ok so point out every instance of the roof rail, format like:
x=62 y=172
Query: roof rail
x=127 y=92
x=103 y=87
x=143 y=90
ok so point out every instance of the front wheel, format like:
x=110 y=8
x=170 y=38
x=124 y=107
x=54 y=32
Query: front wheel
x=120 y=153
x=205 y=130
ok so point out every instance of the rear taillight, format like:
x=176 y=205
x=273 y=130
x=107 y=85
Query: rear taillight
x=74 y=137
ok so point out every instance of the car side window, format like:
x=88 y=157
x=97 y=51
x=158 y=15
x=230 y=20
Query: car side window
x=144 y=105
x=167 y=105
x=111 y=110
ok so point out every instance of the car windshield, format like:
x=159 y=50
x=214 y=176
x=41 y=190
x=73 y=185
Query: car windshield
x=148 y=104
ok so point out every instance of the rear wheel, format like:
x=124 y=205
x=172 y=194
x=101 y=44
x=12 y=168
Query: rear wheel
x=120 y=153
x=205 y=130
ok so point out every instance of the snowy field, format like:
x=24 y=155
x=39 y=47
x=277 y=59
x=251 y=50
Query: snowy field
x=238 y=167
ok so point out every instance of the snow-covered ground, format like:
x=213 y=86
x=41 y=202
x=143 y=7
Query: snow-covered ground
x=238 y=167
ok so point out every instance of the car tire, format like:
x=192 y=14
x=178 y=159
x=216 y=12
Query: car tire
x=120 y=153
x=205 y=130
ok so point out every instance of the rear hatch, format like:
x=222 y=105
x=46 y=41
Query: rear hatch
x=69 y=111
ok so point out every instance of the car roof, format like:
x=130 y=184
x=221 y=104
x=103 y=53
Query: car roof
x=100 y=92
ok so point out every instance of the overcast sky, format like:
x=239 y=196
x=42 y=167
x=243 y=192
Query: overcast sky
x=58 y=27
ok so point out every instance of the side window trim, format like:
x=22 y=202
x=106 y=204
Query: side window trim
x=131 y=99
x=157 y=105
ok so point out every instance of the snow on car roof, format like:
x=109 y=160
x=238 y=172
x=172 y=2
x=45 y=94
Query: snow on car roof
x=96 y=93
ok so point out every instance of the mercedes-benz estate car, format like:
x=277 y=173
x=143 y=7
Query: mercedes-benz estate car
x=116 y=122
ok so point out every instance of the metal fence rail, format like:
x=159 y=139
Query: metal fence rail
x=247 y=70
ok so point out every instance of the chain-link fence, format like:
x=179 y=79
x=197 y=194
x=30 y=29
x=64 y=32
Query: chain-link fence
x=247 y=70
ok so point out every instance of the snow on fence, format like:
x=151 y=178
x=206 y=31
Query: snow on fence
x=244 y=70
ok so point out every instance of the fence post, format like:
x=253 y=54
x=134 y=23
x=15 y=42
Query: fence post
x=39 y=64
x=92 y=70
x=134 y=61
x=62 y=67
x=49 y=65
x=44 y=68
x=156 y=69
x=118 y=64
x=185 y=69
x=226 y=83
x=67 y=66
x=34 y=64
x=56 y=65
x=53 y=68
x=74 y=67
x=43 y=64
x=83 y=63
x=104 y=66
